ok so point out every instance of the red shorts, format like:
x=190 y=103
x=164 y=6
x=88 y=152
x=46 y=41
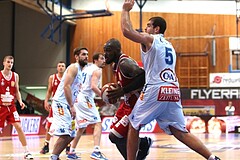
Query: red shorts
x=8 y=114
x=49 y=118
x=119 y=126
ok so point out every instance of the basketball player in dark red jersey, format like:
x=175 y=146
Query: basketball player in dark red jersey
x=9 y=91
x=130 y=78
x=53 y=82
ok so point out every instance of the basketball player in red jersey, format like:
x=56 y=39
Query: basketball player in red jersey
x=9 y=91
x=131 y=79
x=53 y=82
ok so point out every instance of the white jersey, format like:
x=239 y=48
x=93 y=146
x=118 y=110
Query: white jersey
x=160 y=98
x=87 y=76
x=159 y=62
x=86 y=110
x=75 y=87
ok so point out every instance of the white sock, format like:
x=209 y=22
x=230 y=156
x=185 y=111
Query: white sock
x=25 y=148
x=54 y=157
x=72 y=150
x=96 y=149
x=212 y=157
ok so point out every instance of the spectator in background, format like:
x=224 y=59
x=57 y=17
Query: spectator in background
x=230 y=109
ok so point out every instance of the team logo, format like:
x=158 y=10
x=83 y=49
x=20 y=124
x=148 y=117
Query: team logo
x=12 y=83
x=217 y=79
x=2 y=83
x=167 y=75
x=169 y=93
x=55 y=82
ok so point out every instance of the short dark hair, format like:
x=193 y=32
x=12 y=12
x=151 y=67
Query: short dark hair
x=76 y=51
x=96 y=56
x=159 y=21
x=112 y=44
x=8 y=57
x=61 y=62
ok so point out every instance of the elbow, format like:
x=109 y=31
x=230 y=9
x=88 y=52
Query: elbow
x=126 y=32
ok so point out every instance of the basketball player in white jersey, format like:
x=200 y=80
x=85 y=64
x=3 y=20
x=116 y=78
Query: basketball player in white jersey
x=160 y=97
x=53 y=82
x=86 y=111
x=63 y=100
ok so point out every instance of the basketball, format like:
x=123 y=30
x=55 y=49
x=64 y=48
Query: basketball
x=104 y=92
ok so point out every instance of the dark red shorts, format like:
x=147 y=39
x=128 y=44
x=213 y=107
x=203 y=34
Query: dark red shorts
x=8 y=114
x=119 y=126
x=49 y=118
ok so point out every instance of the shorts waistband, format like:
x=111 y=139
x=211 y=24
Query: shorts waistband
x=6 y=104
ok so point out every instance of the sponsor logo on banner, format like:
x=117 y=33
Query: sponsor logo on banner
x=213 y=94
x=224 y=80
x=30 y=125
x=107 y=121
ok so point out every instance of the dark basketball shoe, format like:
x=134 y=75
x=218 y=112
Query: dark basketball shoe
x=45 y=149
x=143 y=152
x=216 y=158
x=68 y=148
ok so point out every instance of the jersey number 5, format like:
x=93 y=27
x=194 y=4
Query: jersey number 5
x=168 y=56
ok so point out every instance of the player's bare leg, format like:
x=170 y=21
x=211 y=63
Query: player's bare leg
x=61 y=143
x=22 y=138
x=132 y=143
x=187 y=138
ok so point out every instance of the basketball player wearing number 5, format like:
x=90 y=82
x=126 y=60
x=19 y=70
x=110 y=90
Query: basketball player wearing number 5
x=160 y=97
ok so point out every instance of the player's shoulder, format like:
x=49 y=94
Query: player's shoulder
x=15 y=74
x=127 y=61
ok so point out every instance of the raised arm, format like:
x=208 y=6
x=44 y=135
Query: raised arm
x=127 y=28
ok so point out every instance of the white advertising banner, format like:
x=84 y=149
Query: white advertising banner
x=30 y=125
x=224 y=80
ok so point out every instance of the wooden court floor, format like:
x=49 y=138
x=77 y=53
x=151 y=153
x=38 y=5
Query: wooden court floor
x=165 y=147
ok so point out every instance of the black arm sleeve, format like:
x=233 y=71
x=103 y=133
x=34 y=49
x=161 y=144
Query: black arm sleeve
x=137 y=82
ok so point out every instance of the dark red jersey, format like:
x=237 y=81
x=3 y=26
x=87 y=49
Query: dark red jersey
x=55 y=83
x=7 y=90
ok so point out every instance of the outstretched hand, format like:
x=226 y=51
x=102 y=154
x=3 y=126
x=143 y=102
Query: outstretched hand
x=128 y=5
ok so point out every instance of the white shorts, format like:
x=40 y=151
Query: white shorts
x=86 y=111
x=62 y=120
x=166 y=113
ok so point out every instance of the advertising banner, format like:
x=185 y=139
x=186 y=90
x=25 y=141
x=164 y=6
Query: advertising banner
x=148 y=128
x=30 y=125
x=224 y=80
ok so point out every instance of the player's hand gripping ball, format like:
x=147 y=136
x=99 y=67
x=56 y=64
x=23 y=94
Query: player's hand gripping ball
x=104 y=93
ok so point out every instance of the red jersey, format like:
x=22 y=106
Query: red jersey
x=7 y=90
x=130 y=98
x=55 y=82
x=119 y=126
